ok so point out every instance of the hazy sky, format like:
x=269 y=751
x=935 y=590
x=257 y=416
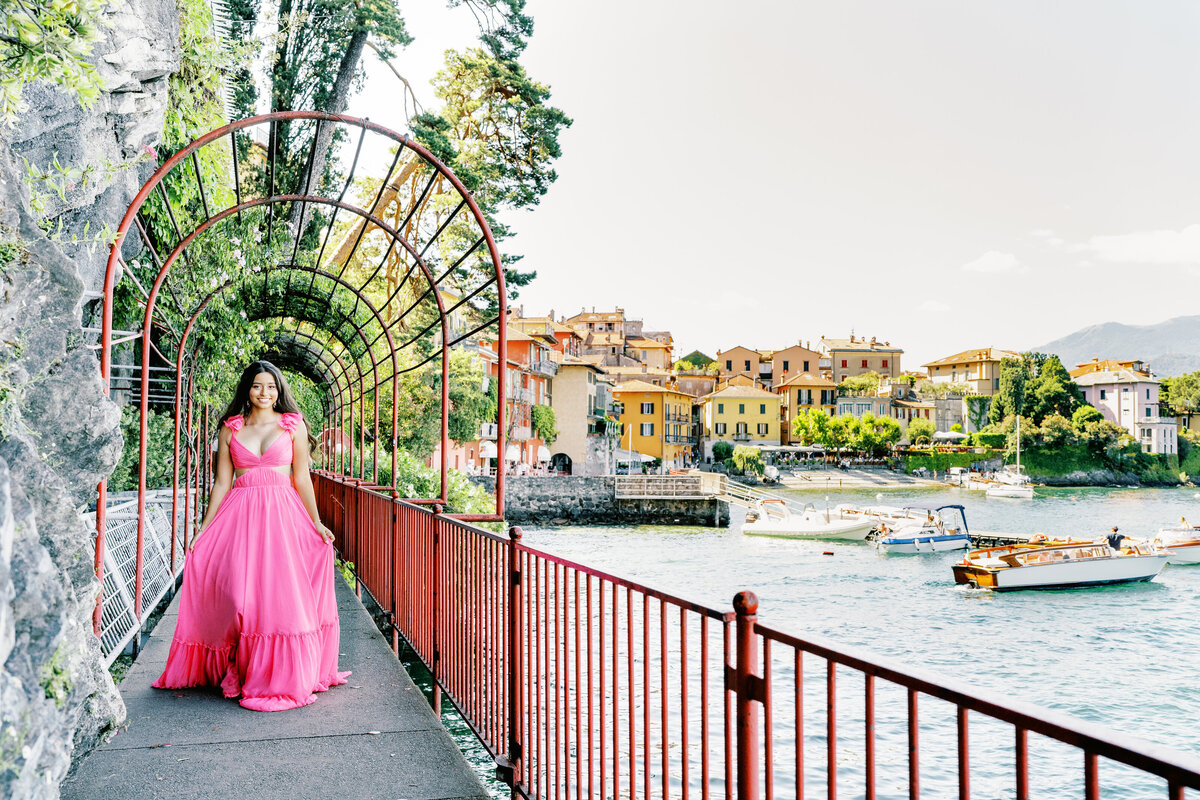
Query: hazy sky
x=945 y=175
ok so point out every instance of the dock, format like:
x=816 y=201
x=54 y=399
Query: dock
x=375 y=737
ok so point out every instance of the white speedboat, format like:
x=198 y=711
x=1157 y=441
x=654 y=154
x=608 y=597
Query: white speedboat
x=1018 y=491
x=774 y=518
x=1182 y=543
x=1059 y=564
x=938 y=531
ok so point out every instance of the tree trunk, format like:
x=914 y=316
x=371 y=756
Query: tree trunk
x=338 y=101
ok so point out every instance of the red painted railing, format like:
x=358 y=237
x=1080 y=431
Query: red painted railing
x=582 y=684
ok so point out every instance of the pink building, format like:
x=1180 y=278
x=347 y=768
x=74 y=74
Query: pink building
x=1130 y=399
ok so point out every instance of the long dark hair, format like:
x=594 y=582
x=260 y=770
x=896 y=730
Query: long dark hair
x=285 y=402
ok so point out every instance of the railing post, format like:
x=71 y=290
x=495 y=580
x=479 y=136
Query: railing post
x=508 y=766
x=748 y=687
x=435 y=608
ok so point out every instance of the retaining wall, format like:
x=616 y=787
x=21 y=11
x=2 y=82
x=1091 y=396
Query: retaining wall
x=582 y=500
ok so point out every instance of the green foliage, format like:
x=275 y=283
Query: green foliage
x=544 y=424
x=865 y=384
x=921 y=429
x=1085 y=415
x=938 y=461
x=978 y=406
x=875 y=435
x=1189 y=452
x=56 y=678
x=992 y=440
x=697 y=360
x=48 y=40
x=346 y=569
x=160 y=451
x=1181 y=394
x=721 y=451
x=1010 y=399
x=943 y=389
x=1057 y=431
x=748 y=459
x=468 y=403
x=956 y=428
x=811 y=426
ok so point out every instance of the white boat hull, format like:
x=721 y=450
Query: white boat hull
x=801 y=528
x=923 y=543
x=1184 y=553
x=1006 y=490
x=1083 y=573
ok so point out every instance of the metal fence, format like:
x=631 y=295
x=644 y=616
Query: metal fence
x=581 y=683
x=119 y=623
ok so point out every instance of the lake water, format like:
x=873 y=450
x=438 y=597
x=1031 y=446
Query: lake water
x=1124 y=656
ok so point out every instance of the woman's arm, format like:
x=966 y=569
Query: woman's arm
x=221 y=484
x=302 y=480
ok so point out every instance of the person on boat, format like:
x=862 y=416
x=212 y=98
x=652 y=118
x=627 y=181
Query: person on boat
x=257 y=612
x=1115 y=539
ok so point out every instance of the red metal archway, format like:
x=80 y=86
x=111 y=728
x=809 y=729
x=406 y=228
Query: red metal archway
x=433 y=228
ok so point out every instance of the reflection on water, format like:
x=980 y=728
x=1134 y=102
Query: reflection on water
x=1123 y=656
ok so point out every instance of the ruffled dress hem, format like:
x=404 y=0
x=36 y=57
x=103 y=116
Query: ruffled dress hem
x=195 y=664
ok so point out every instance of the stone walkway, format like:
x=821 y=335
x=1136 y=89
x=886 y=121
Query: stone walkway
x=375 y=737
x=829 y=479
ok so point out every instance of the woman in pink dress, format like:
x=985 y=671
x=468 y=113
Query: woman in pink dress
x=257 y=612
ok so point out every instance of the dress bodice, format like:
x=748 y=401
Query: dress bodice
x=276 y=455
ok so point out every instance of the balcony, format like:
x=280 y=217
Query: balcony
x=546 y=368
x=685 y=440
x=744 y=436
x=520 y=394
x=487 y=430
x=520 y=433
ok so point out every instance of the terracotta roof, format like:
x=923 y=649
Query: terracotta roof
x=973 y=356
x=859 y=344
x=743 y=391
x=806 y=379
x=913 y=404
x=1108 y=365
x=607 y=338
x=1114 y=376
x=642 y=386
x=647 y=344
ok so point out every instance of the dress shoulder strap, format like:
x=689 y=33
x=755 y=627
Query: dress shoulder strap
x=289 y=421
x=235 y=422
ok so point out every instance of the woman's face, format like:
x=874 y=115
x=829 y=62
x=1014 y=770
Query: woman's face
x=264 y=392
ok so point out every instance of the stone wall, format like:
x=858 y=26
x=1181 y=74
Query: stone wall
x=59 y=434
x=590 y=501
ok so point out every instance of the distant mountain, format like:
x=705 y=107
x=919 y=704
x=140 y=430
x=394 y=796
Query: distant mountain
x=1170 y=348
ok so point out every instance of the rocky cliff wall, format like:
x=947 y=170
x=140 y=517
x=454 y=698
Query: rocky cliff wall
x=59 y=435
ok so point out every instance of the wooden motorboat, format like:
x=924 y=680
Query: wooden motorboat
x=773 y=517
x=1060 y=564
x=936 y=530
x=1182 y=543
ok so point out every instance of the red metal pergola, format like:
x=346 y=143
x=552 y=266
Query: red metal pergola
x=443 y=242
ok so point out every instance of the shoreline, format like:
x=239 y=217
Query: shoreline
x=859 y=478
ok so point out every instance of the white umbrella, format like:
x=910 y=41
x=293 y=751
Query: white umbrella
x=632 y=457
x=511 y=453
x=543 y=453
x=944 y=436
x=487 y=450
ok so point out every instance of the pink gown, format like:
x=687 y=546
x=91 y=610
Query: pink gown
x=257 y=612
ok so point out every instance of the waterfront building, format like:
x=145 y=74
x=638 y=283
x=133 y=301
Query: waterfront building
x=856 y=405
x=979 y=369
x=641 y=372
x=581 y=400
x=741 y=414
x=1129 y=398
x=1109 y=365
x=528 y=375
x=656 y=421
x=616 y=339
x=855 y=356
x=792 y=361
x=803 y=392
x=743 y=362
x=696 y=382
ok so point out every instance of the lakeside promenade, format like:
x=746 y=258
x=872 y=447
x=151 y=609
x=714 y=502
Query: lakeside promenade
x=853 y=478
x=190 y=743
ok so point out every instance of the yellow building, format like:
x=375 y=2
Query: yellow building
x=979 y=369
x=741 y=415
x=804 y=392
x=656 y=421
